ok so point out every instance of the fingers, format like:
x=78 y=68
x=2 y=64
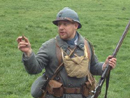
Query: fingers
x=25 y=39
x=109 y=57
x=23 y=45
x=22 y=38
x=112 y=62
x=19 y=39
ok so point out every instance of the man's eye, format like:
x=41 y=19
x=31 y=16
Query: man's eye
x=65 y=24
x=59 y=24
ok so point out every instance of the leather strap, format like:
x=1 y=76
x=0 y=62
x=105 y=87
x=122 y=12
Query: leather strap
x=107 y=84
x=88 y=49
x=67 y=90
x=58 y=53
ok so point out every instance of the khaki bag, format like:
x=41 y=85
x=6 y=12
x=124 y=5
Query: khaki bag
x=76 y=66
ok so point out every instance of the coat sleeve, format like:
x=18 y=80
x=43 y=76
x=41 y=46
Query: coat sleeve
x=35 y=63
x=95 y=66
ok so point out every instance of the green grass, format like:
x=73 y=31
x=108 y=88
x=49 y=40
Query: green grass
x=103 y=23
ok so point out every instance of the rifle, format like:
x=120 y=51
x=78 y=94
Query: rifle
x=106 y=73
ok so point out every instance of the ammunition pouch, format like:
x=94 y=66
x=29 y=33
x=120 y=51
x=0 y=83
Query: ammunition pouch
x=87 y=88
x=55 y=88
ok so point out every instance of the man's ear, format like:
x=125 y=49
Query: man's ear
x=76 y=25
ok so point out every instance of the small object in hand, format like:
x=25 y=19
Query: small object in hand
x=23 y=37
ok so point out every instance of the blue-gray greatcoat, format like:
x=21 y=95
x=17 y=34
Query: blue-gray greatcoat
x=46 y=58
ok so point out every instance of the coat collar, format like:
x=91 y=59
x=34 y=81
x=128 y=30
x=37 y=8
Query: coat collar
x=61 y=43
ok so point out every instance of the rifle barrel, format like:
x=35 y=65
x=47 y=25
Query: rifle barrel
x=108 y=68
x=121 y=40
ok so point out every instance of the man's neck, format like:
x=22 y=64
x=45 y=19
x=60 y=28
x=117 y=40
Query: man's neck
x=73 y=41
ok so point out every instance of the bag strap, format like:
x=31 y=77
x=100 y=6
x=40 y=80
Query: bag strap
x=58 y=53
x=60 y=66
x=88 y=47
x=89 y=52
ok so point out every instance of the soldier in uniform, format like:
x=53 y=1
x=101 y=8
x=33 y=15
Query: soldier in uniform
x=79 y=65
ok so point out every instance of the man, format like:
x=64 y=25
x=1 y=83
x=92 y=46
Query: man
x=68 y=40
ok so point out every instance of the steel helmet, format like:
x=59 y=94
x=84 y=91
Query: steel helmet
x=67 y=14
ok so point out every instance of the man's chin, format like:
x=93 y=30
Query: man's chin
x=63 y=37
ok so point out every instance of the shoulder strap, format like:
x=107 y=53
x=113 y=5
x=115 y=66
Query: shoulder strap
x=58 y=53
x=90 y=52
x=87 y=45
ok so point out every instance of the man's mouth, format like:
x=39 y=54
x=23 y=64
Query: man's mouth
x=62 y=33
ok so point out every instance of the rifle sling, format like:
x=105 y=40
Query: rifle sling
x=107 y=84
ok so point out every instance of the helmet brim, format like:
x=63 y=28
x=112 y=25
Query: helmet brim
x=55 y=22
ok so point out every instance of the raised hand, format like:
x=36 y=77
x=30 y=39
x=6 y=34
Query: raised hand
x=24 y=45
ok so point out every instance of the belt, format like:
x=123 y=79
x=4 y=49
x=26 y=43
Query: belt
x=59 y=91
x=68 y=90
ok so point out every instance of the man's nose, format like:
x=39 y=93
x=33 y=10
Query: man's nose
x=61 y=26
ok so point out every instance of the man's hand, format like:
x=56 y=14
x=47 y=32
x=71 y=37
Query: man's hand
x=109 y=61
x=24 y=45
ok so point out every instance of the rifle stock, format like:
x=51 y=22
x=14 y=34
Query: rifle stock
x=107 y=70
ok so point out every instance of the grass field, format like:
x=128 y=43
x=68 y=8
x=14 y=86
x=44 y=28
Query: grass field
x=103 y=22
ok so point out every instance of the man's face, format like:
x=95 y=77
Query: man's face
x=67 y=29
